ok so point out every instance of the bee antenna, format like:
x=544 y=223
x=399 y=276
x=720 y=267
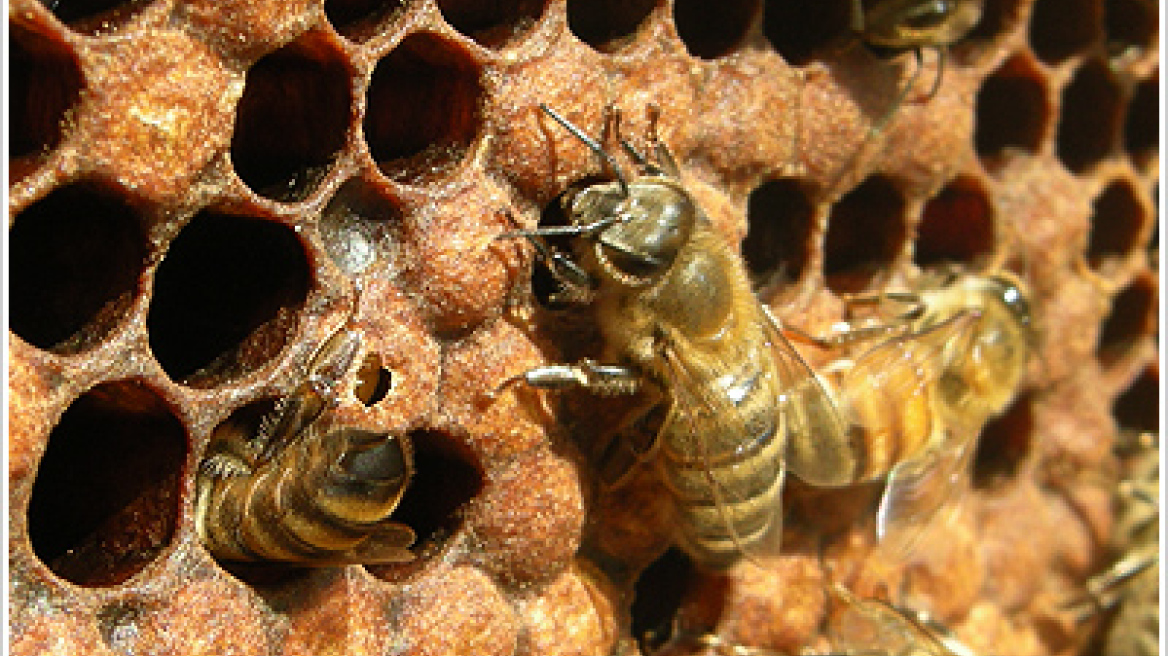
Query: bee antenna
x=592 y=145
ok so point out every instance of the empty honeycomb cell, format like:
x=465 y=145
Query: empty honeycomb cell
x=1004 y=444
x=44 y=82
x=865 y=233
x=1132 y=317
x=94 y=16
x=224 y=297
x=778 y=236
x=406 y=137
x=658 y=594
x=291 y=120
x=711 y=30
x=1091 y=113
x=1062 y=28
x=957 y=225
x=76 y=255
x=607 y=25
x=373 y=381
x=359 y=228
x=798 y=30
x=1130 y=26
x=1141 y=129
x=493 y=24
x=1138 y=407
x=1117 y=220
x=358 y=19
x=105 y=499
x=1012 y=109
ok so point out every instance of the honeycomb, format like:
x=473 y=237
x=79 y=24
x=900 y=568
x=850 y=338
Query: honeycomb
x=260 y=172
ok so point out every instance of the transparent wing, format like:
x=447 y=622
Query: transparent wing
x=915 y=494
x=871 y=626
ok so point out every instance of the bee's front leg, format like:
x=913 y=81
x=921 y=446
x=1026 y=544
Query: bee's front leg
x=589 y=375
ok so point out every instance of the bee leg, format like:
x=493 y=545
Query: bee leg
x=600 y=379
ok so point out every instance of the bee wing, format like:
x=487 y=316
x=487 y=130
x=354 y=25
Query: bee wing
x=915 y=493
x=870 y=626
x=820 y=450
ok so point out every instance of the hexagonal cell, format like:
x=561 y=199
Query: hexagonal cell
x=778 y=238
x=607 y=25
x=1138 y=407
x=1003 y=445
x=1132 y=317
x=1091 y=112
x=1062 y=28
x=865 y=233
x=492 y=24
x=1129 y=26
x=710 y=30
x=797 y=30
x=358 y=20
x=1141 y=131
x=957 y=225
x=358 y=228
x=1012 y=110
x=291 y=120
x=657 y=597
x=408 y=139
x=225 y=298
x=94 y=16
x=105 y=500
x=44 y=82
x=76 y=256
x=1116 y=223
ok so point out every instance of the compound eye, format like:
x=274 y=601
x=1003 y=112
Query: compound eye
x=928 y=15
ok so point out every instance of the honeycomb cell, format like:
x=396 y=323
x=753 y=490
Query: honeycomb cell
x=359 y=228
x=76 y=255
x=957 y=225
x=407 y=138
x=224 y=298
x=658 y=595
x=1004 y=444
x=492 y=24
x=1132 y=317
x=358 y=19
x=1138 y=407
x=1062 y=28
x=1116 y=223
x=778 y=237
x=607 y=25
x=44 y=82
x=373 y=381
x=105 y=499
x=1012 y=110
x=798 y=30
x=1141 y=130
x=711 y=30
x=865 y=233
x=94 y=16
x=1129 y=26
x=1091 y=115
x=291 y=120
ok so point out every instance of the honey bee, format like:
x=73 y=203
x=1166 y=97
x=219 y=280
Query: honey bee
x=878 y=628
x=736 y=404
x=918 y=398
x=299 y=493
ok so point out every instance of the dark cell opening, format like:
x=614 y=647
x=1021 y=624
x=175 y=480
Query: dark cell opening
x=1142 y=128
x=105 y=500
x=493 y=24
x=1138 y=407
x=423 y=108
x=1132 y=317
x=1130 y=25
x=713 y=29
x=957 y=225
x=1004 y=444
x=1062 y=28
x=1091 y=115
x=657 y=597
x=44 y=82
x=373 y=381
x=997 y=16
x=778 y=216
x=225 y=298
x=75 y=258
x=1116 y=223
x=357 y=19
x=1012 y=110
x=865 y=233
x=94 y=16
x=607 y=25
x=358 y=227
x=291 y=120
x=798 y=30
